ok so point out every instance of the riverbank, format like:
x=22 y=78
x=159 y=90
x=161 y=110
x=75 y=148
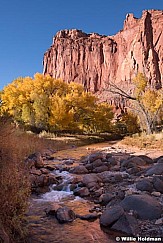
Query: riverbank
x=96 y=186
x=57 y=154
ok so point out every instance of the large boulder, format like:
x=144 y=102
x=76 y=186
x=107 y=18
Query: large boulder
x=147 y=159
x=42 y=180
x=65 y=215
x=133 y=162
x=112 y=177
x=80 y=169
x=156 y=169
x=91 y=180
x=111 y=215
x=92 y=166
x=112 y=161
x=144 y=185
x=34 y=160
x=81 y=191
x=145 y=206
x=100 y=169
x=126 y=224
x=97 y=163
x=160 y=158
x=93 y=157
x=158 y=184
x=106 y=198
x=89 y=167
x=134 y=170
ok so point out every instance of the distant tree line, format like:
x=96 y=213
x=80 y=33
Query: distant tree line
x=50 y=104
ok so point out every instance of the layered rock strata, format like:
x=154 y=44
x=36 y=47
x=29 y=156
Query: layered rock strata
x=94 y=60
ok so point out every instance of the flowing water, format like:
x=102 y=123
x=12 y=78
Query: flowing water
x=46 y=229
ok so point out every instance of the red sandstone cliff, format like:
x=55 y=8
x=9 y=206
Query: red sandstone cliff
x=93 y=60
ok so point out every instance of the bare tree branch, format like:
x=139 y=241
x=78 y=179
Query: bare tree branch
x=119 y=91
x=143 y=112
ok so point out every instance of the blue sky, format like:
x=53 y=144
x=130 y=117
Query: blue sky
x=27 y=27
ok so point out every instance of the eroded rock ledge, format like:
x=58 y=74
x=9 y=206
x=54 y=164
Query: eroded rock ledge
x=95 y=60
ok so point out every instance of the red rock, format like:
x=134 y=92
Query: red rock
x=95 y=60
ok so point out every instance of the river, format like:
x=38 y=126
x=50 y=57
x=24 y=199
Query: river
x=46 y=229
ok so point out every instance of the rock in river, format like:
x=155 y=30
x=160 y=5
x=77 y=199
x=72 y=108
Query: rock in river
x=145 y=206
x=80 y=169
x=111 y=215
x=144 y=185
x=65 y=215
x=126 y=224
x=156 y=169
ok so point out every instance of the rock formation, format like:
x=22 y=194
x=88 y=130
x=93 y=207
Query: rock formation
x=95 y=60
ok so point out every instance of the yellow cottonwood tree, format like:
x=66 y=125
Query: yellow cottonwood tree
x=50 y=104
x=61 y=117
x=144 y=101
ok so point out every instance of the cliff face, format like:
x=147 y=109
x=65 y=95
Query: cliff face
x=95 y=60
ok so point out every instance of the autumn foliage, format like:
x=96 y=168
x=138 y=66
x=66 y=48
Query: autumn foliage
x=149 y=103
x=53 y=105
x=145 y=102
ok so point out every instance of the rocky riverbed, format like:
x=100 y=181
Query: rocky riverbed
x=95 y=193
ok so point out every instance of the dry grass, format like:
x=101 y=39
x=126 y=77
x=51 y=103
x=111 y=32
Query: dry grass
x=153 y=141
x=14 y=182
x=24 y=143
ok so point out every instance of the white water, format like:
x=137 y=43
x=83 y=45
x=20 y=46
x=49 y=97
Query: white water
x=65 y=193
x=56 y=196
x=67 y=177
